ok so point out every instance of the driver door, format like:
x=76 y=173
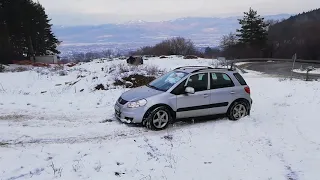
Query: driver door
x=194 y=105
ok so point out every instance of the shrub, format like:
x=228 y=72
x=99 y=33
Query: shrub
x=2 y=68
x=63 y=73
x=173 y=46
x=100 y=87
x=153 y=70
x=58 y=67
x=20 y=69
x=190 y=57
x=123 y=68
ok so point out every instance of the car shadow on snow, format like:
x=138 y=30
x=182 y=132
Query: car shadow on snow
x=182 y=122
x=198 y=120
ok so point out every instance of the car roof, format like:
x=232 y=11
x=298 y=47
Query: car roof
x=193 y=69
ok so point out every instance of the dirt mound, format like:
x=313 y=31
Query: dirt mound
x=136 y=79
x=190 y=57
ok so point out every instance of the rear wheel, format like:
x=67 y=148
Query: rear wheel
x=238 y=110
x=158 y=119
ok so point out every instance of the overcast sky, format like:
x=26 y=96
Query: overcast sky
x=79 y=12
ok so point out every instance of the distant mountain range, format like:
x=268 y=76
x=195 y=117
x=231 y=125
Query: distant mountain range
x=203 y=31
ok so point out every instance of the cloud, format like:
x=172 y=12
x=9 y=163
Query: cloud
x=112 y=11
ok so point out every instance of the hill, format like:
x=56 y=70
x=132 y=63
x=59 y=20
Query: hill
x=58 y=126
x=203 y=31
x=297 y=34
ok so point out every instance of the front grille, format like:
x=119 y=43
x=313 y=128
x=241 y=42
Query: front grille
x=117 y=114
x=122 y=101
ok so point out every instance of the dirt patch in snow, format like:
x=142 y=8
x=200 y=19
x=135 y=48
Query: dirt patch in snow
x=100 y=87
x=15 y=117
x=136 y=79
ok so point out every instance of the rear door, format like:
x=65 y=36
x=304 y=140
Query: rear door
x=193 y=105
x=222 y=92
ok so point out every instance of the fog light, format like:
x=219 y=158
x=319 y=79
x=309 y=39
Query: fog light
x=128 y=119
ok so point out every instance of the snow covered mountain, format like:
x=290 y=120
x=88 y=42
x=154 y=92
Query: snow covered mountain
x=203 y=31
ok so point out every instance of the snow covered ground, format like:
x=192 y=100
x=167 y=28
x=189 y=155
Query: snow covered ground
x=59 y=127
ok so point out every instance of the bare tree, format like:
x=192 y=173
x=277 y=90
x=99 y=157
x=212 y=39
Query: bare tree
x=228 y=40
x=107 y=53
x=173 y=46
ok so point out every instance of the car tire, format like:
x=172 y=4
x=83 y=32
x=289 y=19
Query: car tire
x=158 y=119
x=238 y=110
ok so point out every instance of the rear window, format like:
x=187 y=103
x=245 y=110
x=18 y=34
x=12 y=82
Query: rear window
x=220 y=80
x=240 y=79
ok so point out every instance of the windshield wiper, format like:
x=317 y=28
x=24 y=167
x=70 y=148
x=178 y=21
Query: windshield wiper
x=153 y=87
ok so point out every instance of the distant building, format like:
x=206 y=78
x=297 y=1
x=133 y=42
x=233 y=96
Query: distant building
x=48 y=59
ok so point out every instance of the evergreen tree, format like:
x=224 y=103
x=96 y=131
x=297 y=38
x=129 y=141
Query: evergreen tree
x=25 y=30
x=253 y=29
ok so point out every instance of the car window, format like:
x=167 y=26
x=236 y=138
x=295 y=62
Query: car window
x=220 y=80
x=240 y=79
x=198 y=81
x=166 y=81
x=180 y=89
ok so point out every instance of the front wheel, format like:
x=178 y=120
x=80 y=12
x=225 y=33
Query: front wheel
x=158 y=119
x=237 y=111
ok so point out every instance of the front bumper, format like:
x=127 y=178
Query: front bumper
x=129 y=115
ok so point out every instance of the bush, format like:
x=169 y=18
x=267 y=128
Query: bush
x=20 y=69
x=100 y=87
x=122 y=68
x=2 y=68
x=63 y=73
x=58 y=67
x=153 y=70
x=173 y=46
x=190 y=57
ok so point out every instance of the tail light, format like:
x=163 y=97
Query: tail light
x=247 y=89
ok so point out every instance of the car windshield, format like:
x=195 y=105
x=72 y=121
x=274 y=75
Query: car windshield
x=166 y=81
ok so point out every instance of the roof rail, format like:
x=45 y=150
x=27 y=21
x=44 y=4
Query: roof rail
x=204 y=67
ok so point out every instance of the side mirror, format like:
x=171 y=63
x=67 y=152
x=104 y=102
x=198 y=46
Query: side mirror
x=189 y=90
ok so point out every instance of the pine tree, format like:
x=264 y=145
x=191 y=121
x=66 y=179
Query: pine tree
x=25 y=30
x=253 y=29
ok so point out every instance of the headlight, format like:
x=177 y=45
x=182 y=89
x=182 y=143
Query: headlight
x=136 y=104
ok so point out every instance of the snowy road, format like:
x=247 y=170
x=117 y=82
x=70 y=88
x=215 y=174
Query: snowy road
x=282 y=69
x=65 y=134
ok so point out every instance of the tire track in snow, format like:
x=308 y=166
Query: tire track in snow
x=291 y=174
x=72 y=140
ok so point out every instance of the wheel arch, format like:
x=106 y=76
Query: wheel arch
x=172 y=112
x=241 y=100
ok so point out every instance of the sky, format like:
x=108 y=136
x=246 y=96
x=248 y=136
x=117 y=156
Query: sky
x=89 y=12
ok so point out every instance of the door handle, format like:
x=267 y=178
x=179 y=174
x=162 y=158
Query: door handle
x=205 y=95
x=232 y=92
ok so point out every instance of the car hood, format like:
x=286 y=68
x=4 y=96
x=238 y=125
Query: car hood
x=140 y=93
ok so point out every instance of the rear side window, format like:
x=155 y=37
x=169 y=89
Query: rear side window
x=240 y=79
x=220 y=80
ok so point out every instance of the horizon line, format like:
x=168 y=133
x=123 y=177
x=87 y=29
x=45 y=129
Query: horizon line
x=174 y=19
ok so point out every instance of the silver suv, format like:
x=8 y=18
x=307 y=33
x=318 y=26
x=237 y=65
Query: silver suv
x=185 y=92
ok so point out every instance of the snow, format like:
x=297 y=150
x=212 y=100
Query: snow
x=67 y=134
x=242 y=63
x=315 y=71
